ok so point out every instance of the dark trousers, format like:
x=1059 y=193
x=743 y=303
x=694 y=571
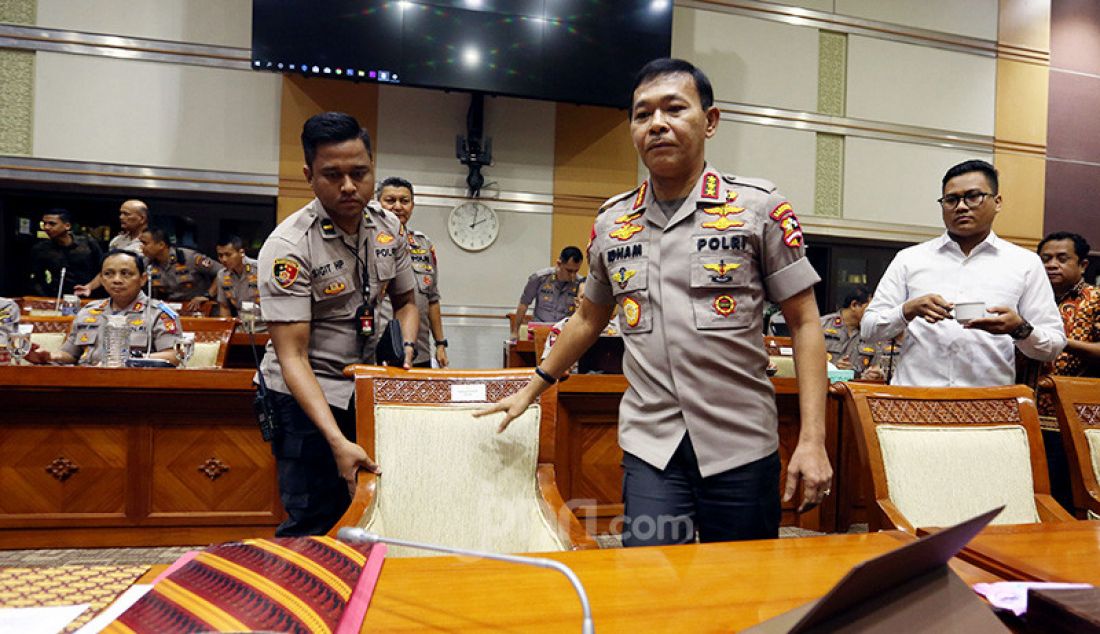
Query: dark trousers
x=668 y=506
x=310 y=487
x=1058 y=469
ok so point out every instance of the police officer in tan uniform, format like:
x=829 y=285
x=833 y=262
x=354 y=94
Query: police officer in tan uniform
x=396 y=196
x=238 y=280
x=179 y=274
x=841 y=329
x=133 y=218
x=322 y=273
x=124 y=275
x=553 y=290
x=690 y=257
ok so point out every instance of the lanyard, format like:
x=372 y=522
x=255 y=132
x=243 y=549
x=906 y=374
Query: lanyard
x=362 y=270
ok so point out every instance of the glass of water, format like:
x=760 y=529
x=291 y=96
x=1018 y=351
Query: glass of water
x=185 y=348
x=19 y=342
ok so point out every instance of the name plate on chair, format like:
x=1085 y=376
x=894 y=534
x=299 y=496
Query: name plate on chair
x=468 y=392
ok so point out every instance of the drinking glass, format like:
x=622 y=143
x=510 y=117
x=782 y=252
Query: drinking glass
x=19 y=342
x=185 y=348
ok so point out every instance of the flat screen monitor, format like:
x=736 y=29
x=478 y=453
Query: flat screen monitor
x=578 y=51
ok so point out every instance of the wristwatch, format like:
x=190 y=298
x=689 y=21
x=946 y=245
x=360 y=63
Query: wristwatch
x=1023 y=331
x=441 y=342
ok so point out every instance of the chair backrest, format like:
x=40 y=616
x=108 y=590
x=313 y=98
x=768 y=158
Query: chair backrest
x=212 y=336
x=542 y=333
x=937 y=456
x=449 y=478
x=49 y=331
x=779 y=346
x=1077 y=406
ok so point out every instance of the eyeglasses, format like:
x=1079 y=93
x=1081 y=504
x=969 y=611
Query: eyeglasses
x=972 y=200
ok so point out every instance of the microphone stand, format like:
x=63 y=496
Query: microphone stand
x=149 y=325
x=60 y=290
x=361 y=536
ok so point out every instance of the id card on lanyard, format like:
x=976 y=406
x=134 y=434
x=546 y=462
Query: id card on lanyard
x=364 y=316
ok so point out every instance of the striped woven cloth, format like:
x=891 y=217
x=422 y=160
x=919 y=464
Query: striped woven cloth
x=299 y=584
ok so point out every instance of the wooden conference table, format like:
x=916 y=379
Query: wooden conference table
x=131 y=457
x=1051 y=551
x=694 y=588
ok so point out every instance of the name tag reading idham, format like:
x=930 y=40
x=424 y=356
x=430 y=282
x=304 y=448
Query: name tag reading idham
x=468 y=392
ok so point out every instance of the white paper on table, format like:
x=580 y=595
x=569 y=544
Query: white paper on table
x=39 y=620
x=1012 y=595
x=115 y=610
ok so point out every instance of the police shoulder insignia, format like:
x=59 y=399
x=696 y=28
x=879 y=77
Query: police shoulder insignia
x=710 y=186
x=632 y=311
x=169 y=322
x=427 y=280
x=792 y=230
x=285 y=271
x=90 y=320
x=625 y=232
x=639 y=198
x=384 y=237
x=725 y=305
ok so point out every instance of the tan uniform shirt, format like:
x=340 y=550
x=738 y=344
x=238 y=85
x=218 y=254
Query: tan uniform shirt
x=187 y=274
x=9 y=315
x=245 y=287
x=880 y=354
x=124 y=242
x=840 y=343
x=309 y=272
x=691 y=290
x=553 y=300
x=86 y=341
x=426 y=269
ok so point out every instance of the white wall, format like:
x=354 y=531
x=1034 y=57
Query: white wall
x=973 y=18
x=217 y=22
x=108 y=110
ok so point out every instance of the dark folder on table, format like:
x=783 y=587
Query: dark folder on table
x=909 y=589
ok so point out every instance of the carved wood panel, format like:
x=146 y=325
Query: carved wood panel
x=991 y=411
x=1089 y=413
x=63 y=469
x=438 y=391
x=211 y=470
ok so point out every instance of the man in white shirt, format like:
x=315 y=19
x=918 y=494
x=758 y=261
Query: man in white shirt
x=968 y=263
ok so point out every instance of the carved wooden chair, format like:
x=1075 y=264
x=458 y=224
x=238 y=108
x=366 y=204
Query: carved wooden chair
x=448 y=478
x=212 y=336
x=49 y=331
x=41 y=306
x=937 y=456
x=1077 y=405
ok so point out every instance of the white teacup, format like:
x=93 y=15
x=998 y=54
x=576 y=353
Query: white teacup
x=967 y=311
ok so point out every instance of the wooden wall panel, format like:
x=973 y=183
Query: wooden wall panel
x=302 y=98
x=594 y=159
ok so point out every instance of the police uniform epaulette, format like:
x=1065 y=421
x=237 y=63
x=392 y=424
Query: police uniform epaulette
x=98 y=304
x=610 y=202
x=294 y=228
x=762 y=184
x=419 y=234
x=165 y=308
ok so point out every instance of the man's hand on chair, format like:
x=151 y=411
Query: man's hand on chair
x=512 y=406
x=350 y=458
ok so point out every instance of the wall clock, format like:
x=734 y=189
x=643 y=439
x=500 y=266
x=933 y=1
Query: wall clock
x=473 y=226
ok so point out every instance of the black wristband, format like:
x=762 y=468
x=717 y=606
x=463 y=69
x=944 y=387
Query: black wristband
x=1023 y=331
x=441 y=342
x=410 y=344
x=544 y=376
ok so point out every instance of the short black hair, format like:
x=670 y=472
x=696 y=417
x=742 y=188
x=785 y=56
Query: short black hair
x=1080 y=244
x=397 y=182
x=974 y=165
x=231 y=241
x=140 y=261
x=158 y=234
x=62 y=214
x=331 y=127
x=571 y=254
x=859 y=294
x=668 y=66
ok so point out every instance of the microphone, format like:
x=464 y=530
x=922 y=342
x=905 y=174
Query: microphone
x=60 y=289
x=149 y=326
x=361 y=536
